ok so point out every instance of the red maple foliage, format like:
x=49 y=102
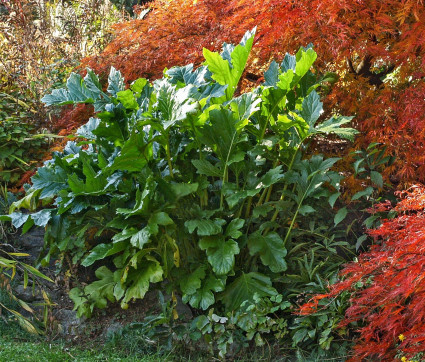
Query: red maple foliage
x=388 y=285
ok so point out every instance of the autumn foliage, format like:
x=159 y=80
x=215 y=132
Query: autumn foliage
x=375 y=47
x=388 y=285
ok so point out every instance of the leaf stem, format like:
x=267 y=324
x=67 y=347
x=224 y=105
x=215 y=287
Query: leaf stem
x=167 y=149
x=248 y=208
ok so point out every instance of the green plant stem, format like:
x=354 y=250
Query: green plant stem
x=292 y=225
x=225 y=172
x=248 y=208
x=261 y=199
x=170 y=166
x=269 y=193
x=276 y=213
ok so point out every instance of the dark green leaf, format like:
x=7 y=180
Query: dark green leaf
x=312 y=108
x=233 y=229
x=102 y=251
x=206 y=168
x=192 y=282
x=340 y=215
x=271 y=250
x=245 y=287
x=376 y=178
x=205 y=227
x=220 y=252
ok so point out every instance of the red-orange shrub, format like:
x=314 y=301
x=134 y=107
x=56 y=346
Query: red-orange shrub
x=388 y=285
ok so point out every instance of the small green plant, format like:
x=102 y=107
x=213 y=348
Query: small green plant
x=253 y=321
x=9 y=267
x=179 y=180
x=6 y=199
x=369 y=165
x=158 y=332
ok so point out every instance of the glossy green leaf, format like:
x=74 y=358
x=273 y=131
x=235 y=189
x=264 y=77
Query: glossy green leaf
x=312 y=108
x=133 y=156
x=271 y=250
x=42 y=217
x=333 y=125
x=305 y=59
x=50 y=180
x=101 y=251
x=233 y=228
x=220 y=253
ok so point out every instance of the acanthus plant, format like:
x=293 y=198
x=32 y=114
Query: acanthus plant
x=179 y=180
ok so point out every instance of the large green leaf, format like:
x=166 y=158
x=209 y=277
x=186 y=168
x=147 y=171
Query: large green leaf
x=138 y=279
x=76 y=91
x=102 y=251
x=271 y=75
x=271 y=250
x=103 y=289
x=244 y=287
x=94 y=182
x=190 y=283
x=204 y=297
x=173 y=104
x=141 y=237
x=127 y=99
x=42 y=217
x=133 y=156
x=289 y=62
x=115 y=82
x=305 y=59
x=221 y=133
x=228 y=67
x=142 y=202
x=50 y=180
x=233 y=228
x=220 y=252
x=205 y=167
x=18 y=219
x=333 y=125
x=205 y=227
x=312 y=108
x=245 y=105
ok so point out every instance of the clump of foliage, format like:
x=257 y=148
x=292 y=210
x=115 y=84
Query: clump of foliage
x=10 y=267
x=181 y=180
x=386 y=284
x=374 y=47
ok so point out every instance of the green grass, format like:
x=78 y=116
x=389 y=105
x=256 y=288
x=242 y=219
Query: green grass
x=16 y=345
x=18 y=351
